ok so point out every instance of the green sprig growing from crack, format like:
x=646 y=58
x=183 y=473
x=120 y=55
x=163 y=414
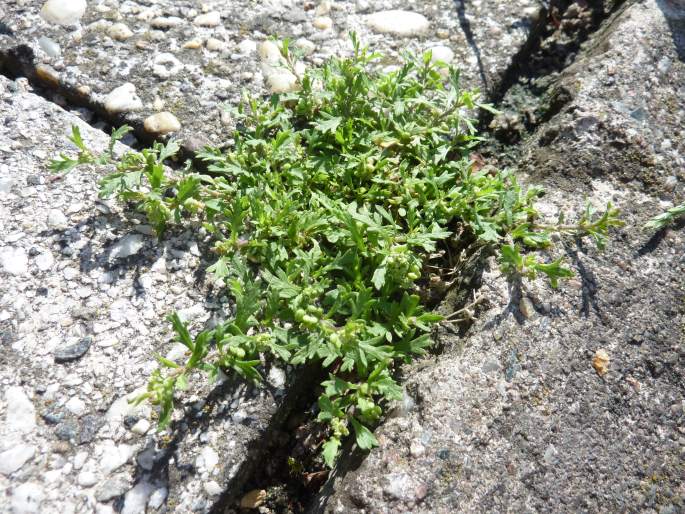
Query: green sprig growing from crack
x=327 y=216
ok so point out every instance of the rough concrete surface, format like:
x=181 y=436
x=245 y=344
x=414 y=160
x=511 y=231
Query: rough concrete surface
x=83 y=302
x=515 y=418
x=518 y=416
x=190 y=58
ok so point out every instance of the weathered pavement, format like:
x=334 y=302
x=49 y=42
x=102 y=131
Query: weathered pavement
x=190 y=58
x=513 y=418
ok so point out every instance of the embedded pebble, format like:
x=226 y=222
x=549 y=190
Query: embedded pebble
x=57 y=220
x=442 y=53
x=119 y=32
x=73 y=352
x=63 y=12
x=398 y=22
x=127 y=246
x=112 y=488
x=45 y=261
x=166 y=22
x=14 y=261
x=123 y=99
x=21 y=414
x=212 y=488
x=49 y=46
x=214 y=44
x=323 y=23
x=76 y=406
x=162 y=123
x=210 y=19
x=113 y=457
x=136 y=499
x=13 y=459
x=27 y=498
x=87 y=479
x=141 y=427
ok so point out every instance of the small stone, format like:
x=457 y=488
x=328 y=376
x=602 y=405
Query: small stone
x=80 y=460
x=157 y=498
x=113 y=457
x=212 y=488
x=136 y=498
x=66 y=431
x=398 y=22
x=123 y=99
x=49 y=46
x=305 y=46
x=601 y=362
x=45 y=261
x=281 y=81
x=87 y=479
x=27 y=497
x=21 y=414
x=253 y=499
x=166 y=22
x=141 y=427
x=127 y=246
x=76 y=406
x=112 y=488
x=73 y=352
x=526 y=307
x=323 y=23
x=416 y=449
x=213 y=44
x=441 y=53
x=193 y=44
x=247 y=47
x=119 y=32
x=14 y=261
x=162 y=123
x=90 y=425
x=63 y=12
x=13 y=459
x=208 y=458
x=210 y=19
x=270 y=53
x=6 y=184
x=57 y=220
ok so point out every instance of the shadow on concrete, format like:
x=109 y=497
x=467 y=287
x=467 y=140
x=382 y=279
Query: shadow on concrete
x=674 y=12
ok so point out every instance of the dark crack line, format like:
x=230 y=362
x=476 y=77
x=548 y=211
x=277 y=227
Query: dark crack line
x=465 y=25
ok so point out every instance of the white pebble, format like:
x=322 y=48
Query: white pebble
x=63 y=12
x=13 y=459
x=442 y=53
x=322 y=23
x=127 y=246
x=210 y=19
x=76 y=406
x=87 y=479
x=26 y=498
x=162 y=123
x=14 y=260
x=119 y=32
x=400 y=23
x=57 y=220
x=123 y=99
x=141 y=427
x=20 y=414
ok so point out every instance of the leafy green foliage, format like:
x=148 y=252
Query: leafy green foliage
x=323 y=214
x=664 y=219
